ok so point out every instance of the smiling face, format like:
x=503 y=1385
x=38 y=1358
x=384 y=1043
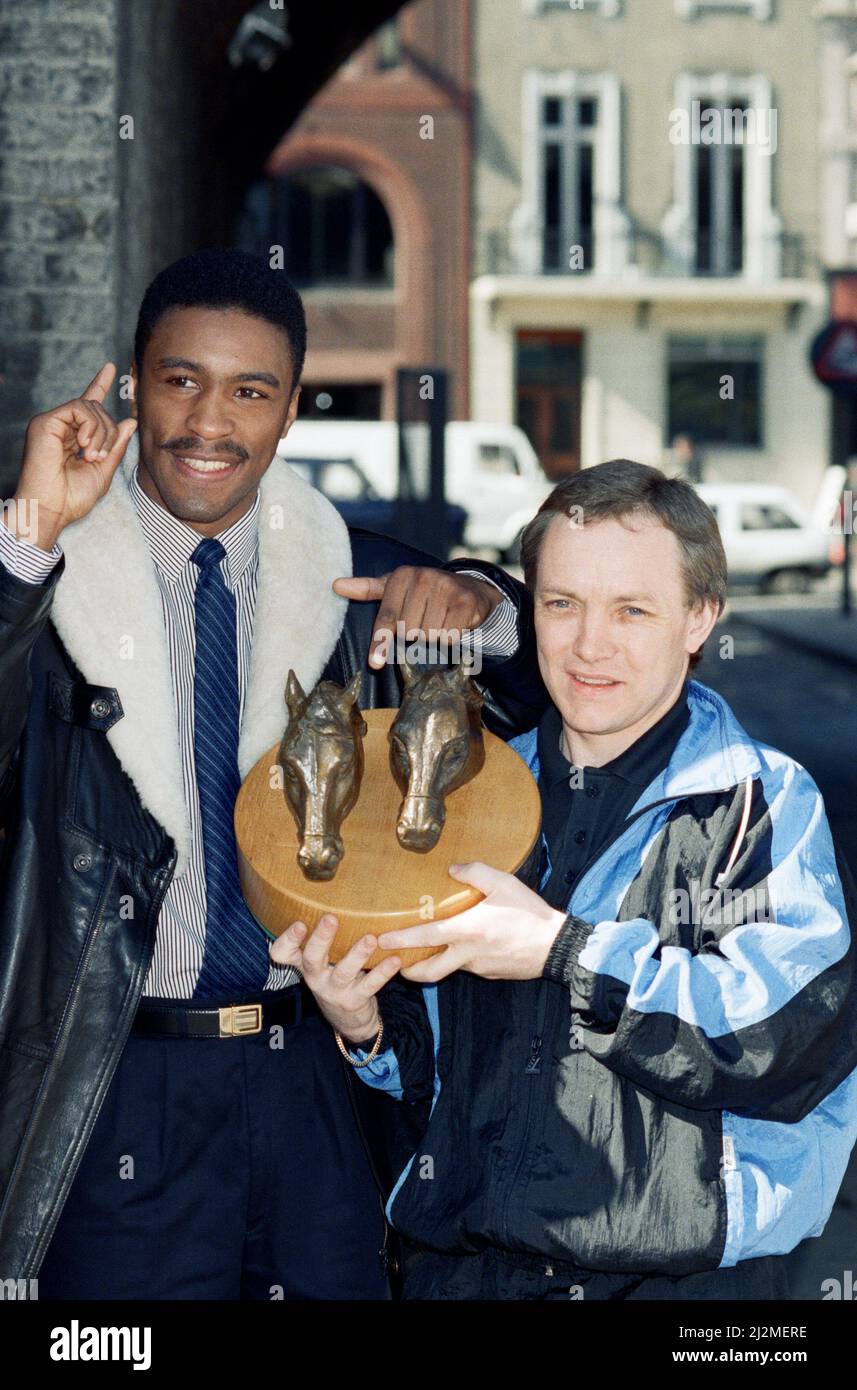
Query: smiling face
x=614 y=630
x=213 y=397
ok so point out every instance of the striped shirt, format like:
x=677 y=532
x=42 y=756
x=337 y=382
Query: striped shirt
x=180 y=936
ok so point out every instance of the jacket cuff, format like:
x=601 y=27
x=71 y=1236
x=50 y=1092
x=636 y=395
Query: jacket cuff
x=511 y=589
x=23 y=599
x=25 y=560
x=562 y=956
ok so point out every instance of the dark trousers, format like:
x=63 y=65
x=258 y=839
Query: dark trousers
x=495 y=1274
x=223 y=1169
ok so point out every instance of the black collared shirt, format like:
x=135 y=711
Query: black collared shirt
x=584 y=808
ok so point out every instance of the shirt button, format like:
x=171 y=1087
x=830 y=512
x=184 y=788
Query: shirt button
x=82 y=862
x=591 y=790
x=580 y=837
x=100 y=707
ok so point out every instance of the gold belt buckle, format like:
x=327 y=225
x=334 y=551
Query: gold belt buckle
x=239 y=1019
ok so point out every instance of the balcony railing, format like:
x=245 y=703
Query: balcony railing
x=636 y=251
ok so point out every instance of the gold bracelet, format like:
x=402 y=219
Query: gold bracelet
x=376 y=1047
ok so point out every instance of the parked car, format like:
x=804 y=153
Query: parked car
x=345 y=484
x=770 y=540
x=491 y=470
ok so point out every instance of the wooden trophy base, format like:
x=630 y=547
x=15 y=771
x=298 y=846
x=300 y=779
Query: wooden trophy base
x=379 y=886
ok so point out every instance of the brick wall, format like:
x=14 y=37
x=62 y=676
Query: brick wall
x=58 y=202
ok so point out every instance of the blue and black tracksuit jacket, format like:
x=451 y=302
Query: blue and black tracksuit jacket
x=680 y=1092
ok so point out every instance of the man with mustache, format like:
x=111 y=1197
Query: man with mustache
x=176 y=1120
x=638 y=1076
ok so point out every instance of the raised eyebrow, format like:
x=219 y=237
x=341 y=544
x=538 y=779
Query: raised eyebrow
x=179 y=362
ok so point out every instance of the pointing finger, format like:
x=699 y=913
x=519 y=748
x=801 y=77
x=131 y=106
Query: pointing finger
x=100 y=383
x=392 y=605
x=364 y=588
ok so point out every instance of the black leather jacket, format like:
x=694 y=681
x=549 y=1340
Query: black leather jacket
x=79 y=844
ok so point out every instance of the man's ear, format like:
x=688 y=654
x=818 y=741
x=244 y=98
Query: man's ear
x=701 y=621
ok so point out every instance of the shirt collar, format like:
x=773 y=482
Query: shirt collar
x=172 y=542
x=639 y=764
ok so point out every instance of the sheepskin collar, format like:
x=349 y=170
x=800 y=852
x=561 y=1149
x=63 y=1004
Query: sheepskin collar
x=107 y=611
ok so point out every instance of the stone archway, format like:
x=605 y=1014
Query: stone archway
x=414 y=254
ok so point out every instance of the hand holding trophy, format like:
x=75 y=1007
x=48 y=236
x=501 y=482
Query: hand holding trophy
x=371 y=808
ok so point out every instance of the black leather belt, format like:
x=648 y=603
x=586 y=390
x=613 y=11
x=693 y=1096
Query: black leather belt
x=182 y=1020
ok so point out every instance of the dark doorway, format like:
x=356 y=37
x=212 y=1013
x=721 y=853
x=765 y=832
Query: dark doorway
x=549 y=369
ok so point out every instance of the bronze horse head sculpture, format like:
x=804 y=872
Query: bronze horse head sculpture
x=436 y=745
x=321 y=755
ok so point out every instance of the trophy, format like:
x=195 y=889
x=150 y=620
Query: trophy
x=360 y=813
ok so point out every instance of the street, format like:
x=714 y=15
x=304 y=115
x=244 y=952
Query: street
x=806 y=707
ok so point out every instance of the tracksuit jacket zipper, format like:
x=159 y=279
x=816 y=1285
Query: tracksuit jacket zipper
x=537 y=1065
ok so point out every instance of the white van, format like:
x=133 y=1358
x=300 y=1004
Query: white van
x=770 y=538
x=491 y=470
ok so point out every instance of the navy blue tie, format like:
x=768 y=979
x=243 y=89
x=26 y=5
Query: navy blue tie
x=235 y=959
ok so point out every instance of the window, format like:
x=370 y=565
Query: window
x=724 y=132
x=333 y=228
x=719 y=196
x=343 y=481
x=691 y=9
x=498 y=458
x=567 y=196
x=339 y=479
x=715 y=391
x=755 y=517
x=570 y=218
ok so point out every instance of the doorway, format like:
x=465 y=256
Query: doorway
x=549 y=368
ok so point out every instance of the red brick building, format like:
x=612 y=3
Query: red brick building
x=369 y=195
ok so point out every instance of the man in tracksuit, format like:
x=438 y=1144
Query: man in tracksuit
x=640 y=1080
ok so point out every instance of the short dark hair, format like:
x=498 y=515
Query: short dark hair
x=225 y=279
x=623 y=488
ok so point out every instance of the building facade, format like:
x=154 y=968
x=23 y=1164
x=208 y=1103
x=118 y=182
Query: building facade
x=369 y=197
x=647 y=266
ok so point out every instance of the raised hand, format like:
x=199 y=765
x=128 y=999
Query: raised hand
x=70 y=456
